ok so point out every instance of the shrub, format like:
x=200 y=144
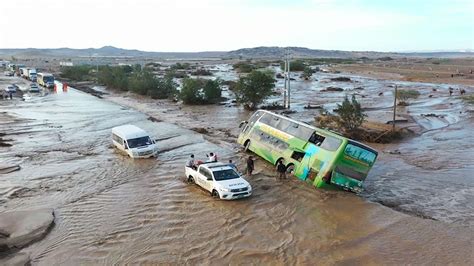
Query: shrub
x=78 y=73
x=307 y=73
x=202 y=72
x=297 y=65
x=404 y=95
x=181 y=66
x=253 y=89
x=165 y=89
x=113 y=77
x=142 y=81
x=244 y=67
x=468 y=99
x=350 y=114
x=200 y=91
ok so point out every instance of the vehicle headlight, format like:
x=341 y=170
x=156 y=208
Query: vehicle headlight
x=249 y=187
x=225 y=189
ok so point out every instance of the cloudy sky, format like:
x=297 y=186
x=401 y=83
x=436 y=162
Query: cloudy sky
x=213 y=25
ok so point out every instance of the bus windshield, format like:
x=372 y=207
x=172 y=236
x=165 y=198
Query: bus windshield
x=360 y=154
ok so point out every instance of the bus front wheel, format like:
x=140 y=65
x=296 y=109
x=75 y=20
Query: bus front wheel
x=247 y=145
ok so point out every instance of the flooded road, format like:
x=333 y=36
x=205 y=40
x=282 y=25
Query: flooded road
x=111 y=209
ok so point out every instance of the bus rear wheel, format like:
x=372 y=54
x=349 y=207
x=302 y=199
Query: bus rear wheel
x=290 y=169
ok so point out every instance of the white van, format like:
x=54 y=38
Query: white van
x=134 y=141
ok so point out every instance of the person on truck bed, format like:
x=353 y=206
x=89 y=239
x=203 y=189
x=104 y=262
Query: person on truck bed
x=212 y=158
x=191 y=163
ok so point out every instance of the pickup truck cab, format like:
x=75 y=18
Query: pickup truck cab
x=220 y=179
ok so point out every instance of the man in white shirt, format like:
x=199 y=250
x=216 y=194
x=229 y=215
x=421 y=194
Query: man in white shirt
x=212 y=157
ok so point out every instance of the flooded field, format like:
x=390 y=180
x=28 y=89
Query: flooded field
x=111 y=209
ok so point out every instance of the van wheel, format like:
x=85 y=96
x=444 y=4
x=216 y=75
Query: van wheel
x=215 y=194
x=247 y=145
x=190 y=180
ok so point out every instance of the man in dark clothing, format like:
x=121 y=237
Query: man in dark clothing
x=250 y=166
x=281 y=169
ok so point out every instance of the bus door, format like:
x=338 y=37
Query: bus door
x=300 y=159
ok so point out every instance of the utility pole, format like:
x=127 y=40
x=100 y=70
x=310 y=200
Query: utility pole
x=289 y=78
x=286 y=72
x=394 y=108
x=285 y=100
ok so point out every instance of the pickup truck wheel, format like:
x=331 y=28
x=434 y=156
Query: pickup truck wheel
x=215 y=194
x=190 y=180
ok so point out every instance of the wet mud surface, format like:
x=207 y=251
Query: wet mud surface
x=111 y=209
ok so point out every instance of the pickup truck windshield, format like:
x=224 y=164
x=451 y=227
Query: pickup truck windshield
x=225 y=175
x=139 y=142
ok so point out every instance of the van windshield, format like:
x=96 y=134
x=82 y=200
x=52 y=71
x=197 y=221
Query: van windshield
x=139 y=142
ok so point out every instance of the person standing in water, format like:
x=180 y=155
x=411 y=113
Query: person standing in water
x=250 y=166
x=281 y=169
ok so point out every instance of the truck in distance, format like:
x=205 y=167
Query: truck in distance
x=32 y=74
x=221 y=180
x=45 y=79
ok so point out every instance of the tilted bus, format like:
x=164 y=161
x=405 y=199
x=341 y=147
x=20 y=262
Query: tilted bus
x=317 y=156
x=45 y=79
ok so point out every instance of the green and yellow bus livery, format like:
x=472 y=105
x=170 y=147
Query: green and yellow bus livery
x=314 y=155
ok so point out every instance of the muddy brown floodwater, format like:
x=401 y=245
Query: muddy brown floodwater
x=111 y=209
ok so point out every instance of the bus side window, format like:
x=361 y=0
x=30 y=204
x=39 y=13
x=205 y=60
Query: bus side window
x=298 y=155
x=316 y=139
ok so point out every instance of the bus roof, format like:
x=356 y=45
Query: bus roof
x=129 y=132
x=333 y=134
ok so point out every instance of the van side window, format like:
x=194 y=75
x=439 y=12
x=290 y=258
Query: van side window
x=117 y=138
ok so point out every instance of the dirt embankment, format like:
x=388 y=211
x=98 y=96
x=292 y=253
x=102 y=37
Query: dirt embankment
x=369 y=131
x=86 y=86
x=452 y=71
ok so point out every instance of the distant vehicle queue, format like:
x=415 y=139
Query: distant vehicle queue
x=43 y=79
x=319 y=157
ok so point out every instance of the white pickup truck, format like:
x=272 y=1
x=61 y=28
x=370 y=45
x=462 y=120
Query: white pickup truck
x=220 y=179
